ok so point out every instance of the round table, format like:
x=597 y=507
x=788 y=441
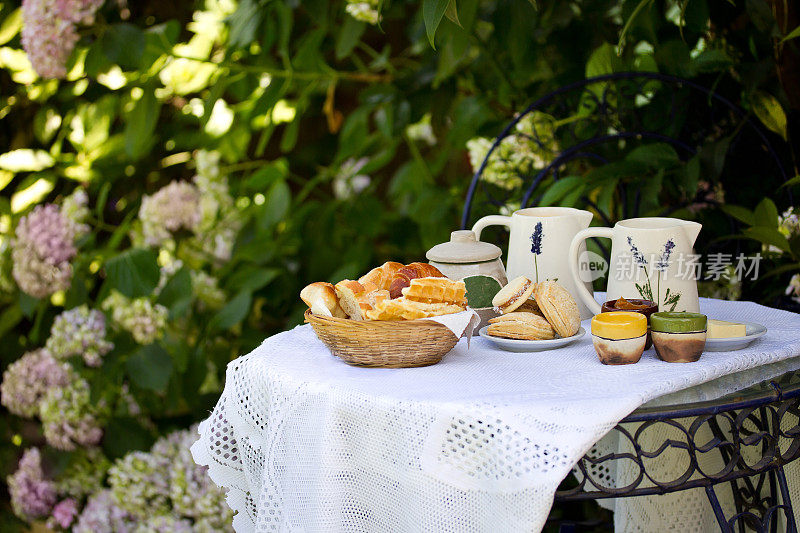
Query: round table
x=754 y=429
x=482 y=440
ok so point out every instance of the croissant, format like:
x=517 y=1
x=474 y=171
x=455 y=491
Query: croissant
x=381 y=276
x=321 y=298
x=403 y=277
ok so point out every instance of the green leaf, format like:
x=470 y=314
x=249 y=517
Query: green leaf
x=561 y=188
x=657 y=155
x=739 y=213
x=244 y=23
x=768 y=236
x=134 y=272
x=251 y=278
x=150 y=367
x=123 y=435
x=276 y=205
x=10 y=318
x=604 y=60
x=27 y=304
x=141 y=123
x=177 y=293
x=234 y=312
x=11 y=25
x=712 y=60
x=794 y=34
x=26 y=160
x=766 y=214
x=124 y=45
x=452 y=13
x=432 y=13
x=769 y=111
x=349 y=35
x=761 y=14
x=480 y=290
x=264 y=177
x=791 y=182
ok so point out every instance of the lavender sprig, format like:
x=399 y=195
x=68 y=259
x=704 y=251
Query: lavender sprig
x=638 y=256
x=536 y=247
x=663 y=262
x=536 y=239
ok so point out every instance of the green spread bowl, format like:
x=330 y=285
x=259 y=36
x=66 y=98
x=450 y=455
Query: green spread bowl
x=672 y=322
x=678 y=337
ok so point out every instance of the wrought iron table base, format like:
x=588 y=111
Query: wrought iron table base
x=755 y=439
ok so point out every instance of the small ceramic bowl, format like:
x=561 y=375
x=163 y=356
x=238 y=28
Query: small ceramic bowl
x=646 y=307
x=619 y=337
x=679 y=337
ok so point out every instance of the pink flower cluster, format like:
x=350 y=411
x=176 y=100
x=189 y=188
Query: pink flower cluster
x=32 y=495
x=173 y=207
x=27 y=381
x=44 y=246
x=49 y=32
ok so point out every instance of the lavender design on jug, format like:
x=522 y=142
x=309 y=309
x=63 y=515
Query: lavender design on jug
x=536 y=247
x=662 y=264
x=645 y=290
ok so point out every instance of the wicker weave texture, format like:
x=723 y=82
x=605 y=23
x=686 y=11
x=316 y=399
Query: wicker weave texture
x=385 y=344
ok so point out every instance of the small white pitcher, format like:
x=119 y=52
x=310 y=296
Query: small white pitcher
x=651 y=259
x=538 y=245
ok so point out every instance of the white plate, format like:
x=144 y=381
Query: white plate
x=518 y=345
x=753 y=332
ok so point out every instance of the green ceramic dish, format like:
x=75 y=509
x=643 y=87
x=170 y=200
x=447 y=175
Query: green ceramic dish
x=671 y=322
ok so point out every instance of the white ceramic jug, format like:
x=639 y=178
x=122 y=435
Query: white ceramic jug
x=538 y=244
x=651 y=258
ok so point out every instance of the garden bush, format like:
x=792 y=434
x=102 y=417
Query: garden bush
x=172 y=174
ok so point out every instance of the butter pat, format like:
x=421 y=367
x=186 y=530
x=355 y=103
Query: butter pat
x=720 y=329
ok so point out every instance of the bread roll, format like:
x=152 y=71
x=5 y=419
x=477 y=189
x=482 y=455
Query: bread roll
x=403 y=277
x=321 y=298
x=351 y=297
x=381 y=276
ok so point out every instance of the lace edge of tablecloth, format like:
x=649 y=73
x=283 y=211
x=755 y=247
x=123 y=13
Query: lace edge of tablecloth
x=225 y=477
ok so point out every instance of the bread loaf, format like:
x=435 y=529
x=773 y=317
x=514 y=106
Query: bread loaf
x=403 y=277
x=381 y=276
x=321 y=298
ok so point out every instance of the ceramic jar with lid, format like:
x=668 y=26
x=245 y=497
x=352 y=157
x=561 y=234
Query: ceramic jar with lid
x=466 y=256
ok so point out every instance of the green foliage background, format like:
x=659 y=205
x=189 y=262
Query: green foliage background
x=293 y=94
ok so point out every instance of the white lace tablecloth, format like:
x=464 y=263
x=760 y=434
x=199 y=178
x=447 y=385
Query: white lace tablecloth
x=478 y=442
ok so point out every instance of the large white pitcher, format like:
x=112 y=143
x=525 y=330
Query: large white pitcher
x=651 y=258
x=538 y=245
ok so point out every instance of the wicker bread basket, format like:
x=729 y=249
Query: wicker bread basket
x=386 y=344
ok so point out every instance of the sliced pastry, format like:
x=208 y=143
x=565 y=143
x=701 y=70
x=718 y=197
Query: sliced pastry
x=433 y=290
x=521 y=325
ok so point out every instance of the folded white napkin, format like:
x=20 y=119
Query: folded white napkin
x=461 y=324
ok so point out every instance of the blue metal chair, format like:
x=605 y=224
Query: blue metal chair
x=597 y=120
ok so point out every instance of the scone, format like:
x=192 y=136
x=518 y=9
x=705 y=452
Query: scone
x=521 y=325
x=558 y=307
x=513 y=295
